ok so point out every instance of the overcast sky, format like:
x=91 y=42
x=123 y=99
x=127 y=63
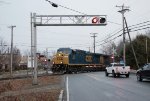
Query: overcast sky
x=17 y=12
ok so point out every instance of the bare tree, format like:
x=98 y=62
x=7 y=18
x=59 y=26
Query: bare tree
x=5 y=56
x=16 y=57
x=4 y=50
x=107 y=48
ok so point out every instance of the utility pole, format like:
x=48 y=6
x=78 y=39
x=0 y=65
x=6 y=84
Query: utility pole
x=113 y=55
x=146 y=50
x=94 y=35
x=11 y=51
x=47 y=67
x=122 y=11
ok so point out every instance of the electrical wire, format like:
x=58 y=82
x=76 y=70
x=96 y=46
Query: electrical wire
x=110 y=36
x=108 y=21
x=110 y=40
x=131 y=29
x=136 y=27
x=121 y=35
x=56 y=5
x=139 y=29
x=114 y=23
x=139 y=24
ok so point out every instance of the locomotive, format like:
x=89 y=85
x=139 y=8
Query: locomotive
x=68 y=60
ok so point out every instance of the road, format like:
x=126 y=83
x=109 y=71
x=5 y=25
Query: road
x=95 y=86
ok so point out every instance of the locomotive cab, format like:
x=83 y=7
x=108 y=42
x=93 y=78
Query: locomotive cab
x=60 y=60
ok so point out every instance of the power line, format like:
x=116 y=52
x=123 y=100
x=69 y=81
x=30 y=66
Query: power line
x=56 y=5
x=110 y=36
x=121 y=35
x=139 y=29
x=130 y=27
x=139 y=23
x=139 y=26
x=124 y=9
x=114 y=23
x=110 y=40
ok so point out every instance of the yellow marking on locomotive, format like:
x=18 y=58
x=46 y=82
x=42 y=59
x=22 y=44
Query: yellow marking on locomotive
x=66 y=59
x=60 y=58
x=101 y=59
x=88 y=58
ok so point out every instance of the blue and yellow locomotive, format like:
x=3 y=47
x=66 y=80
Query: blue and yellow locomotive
x=70 y=60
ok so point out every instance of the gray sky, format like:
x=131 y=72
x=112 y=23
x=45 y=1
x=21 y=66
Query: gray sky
x=17 y=12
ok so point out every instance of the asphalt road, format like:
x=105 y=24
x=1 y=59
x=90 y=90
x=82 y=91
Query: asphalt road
x=96 y=87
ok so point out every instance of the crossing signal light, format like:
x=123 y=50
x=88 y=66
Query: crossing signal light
x=98 y=20
x=102 y=20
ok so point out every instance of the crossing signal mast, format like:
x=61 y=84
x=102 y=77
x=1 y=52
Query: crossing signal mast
x=58 y=20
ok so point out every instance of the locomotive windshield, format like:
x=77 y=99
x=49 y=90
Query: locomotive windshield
x=64 y=50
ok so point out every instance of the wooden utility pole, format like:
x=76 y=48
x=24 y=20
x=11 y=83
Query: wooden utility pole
x=122 y=11
x=94 y=35
x=11 y=52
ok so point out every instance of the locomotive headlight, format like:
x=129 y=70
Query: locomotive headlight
x=61 y=62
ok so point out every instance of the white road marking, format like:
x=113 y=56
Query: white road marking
x=67 y=89
x=61 y=95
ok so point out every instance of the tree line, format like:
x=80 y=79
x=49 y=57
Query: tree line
x=141 y=45
x=5 y=56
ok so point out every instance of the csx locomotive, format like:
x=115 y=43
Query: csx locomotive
x=68 y=60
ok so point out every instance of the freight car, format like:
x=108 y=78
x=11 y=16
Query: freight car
x=75 y=60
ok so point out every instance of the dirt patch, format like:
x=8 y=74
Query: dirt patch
x=48 y=89
x=39 y=96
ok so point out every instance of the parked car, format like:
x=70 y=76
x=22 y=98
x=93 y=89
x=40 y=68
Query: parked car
x=143 y=72
x=117 y=69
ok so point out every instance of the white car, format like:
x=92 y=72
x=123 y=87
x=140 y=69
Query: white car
x=117 y=69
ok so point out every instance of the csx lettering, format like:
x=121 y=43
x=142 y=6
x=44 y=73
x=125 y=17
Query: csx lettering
x=59 y=58
x=89 y=58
